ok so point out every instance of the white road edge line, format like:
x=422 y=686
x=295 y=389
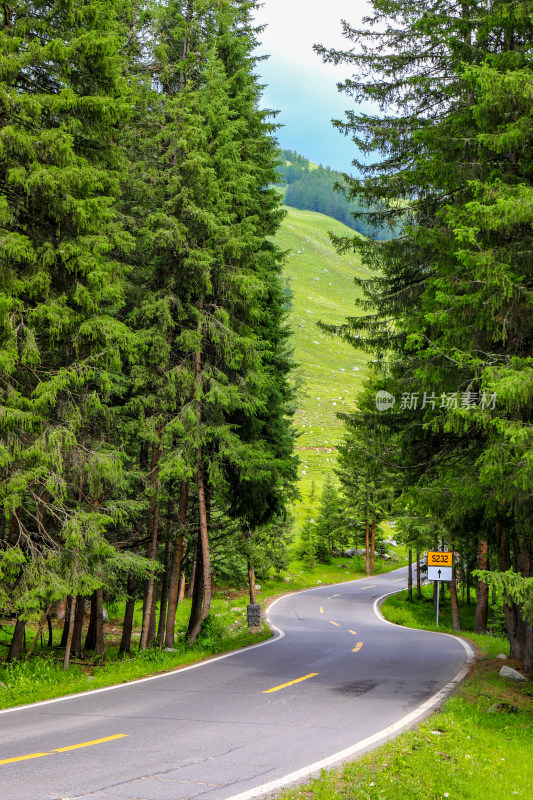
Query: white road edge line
x=279 y=635
x=376 y=738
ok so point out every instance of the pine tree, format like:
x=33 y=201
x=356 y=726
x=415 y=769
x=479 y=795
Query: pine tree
x=64 y=102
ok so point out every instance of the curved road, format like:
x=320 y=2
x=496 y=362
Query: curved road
x=336 y=680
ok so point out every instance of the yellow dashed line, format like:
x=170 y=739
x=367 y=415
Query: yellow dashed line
x=357 y=647
x=321 y=610
x=335 y=623
x=333 y=595
x=89 y=744
x=24 y=758
x=290 y=683
x=354 y=632
x=369 y=587
x=398 y=579
x=63 y=749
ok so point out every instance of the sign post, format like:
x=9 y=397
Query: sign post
x=440 y=568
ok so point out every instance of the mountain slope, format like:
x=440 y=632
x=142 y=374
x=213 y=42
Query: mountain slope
x=331 y=371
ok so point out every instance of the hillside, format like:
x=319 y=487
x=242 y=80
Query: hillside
x=330 y=370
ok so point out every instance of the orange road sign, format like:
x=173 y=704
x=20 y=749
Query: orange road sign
x=440 y=559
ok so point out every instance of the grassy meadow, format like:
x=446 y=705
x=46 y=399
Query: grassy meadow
x=330 y=370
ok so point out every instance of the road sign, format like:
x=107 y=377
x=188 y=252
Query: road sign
x=436 y=559
x=440 y=574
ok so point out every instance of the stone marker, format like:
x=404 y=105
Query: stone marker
x=502 y=656
x=254 y=615
x=513 y=674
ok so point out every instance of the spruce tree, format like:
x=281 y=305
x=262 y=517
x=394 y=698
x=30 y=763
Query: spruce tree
x=64 y=101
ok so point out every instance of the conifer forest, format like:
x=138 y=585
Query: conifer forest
x=148 y=398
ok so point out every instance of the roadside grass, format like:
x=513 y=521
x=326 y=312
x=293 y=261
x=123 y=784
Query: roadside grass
x=42 y=677
x=464 y=752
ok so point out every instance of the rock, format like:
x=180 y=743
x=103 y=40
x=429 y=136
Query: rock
x=319 y=581
x=386 y=557
x=170 y=650
x=393 y=543
x=512 y=674
x=287 y=579
x=502 y=656
x=257 y=587
x=506 y=708
x=344 y=566
x=349 y=553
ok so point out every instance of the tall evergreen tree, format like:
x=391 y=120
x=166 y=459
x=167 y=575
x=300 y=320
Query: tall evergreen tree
x=64 y=101
x=453 y=323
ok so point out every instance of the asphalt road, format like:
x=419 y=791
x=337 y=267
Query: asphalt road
x=336 y=680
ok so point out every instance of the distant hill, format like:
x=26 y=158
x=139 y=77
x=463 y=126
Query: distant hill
x=321 y=287
x=311 y=188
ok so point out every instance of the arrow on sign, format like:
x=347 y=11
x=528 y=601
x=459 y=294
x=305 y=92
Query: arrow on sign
x=440 y=573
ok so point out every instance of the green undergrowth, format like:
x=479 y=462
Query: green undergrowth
x=470 y=750
x=42 y=677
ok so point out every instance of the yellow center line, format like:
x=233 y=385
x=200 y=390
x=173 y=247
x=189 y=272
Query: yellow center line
x=398 y=579
x=90 y=744
x=24 y=758
x=357 y=647
x=321 y=610
x=290 y=683
x=63 y=749
x=335 y=623
x=354 y=632
x=369 y=587
x=333 y=595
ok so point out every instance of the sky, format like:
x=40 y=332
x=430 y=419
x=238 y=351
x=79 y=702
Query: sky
x=298 y=84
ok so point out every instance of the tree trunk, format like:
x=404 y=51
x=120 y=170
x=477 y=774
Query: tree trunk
x=127 y=627
x=482 y=607
x=164 y=596
x=100 y=638
x=70 y=632
x=50 y=630
x=367 y=541
x=195 y=619
x=456 y=625
x=148 y=623
x=181 y=591
x=410 y=576
x=16 y=641
x=373 y=544
x=79 y=617
x=66 y=622
x=251 y=570
x=203 y=544
x=90 y=637
x=418 y=578
x=190 y=587
x=176 y=571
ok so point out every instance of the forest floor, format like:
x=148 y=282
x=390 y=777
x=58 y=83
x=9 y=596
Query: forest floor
x=42 y=677
x=467 y=751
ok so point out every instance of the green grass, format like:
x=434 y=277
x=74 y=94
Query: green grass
x=464 y=752
x=330 y=371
